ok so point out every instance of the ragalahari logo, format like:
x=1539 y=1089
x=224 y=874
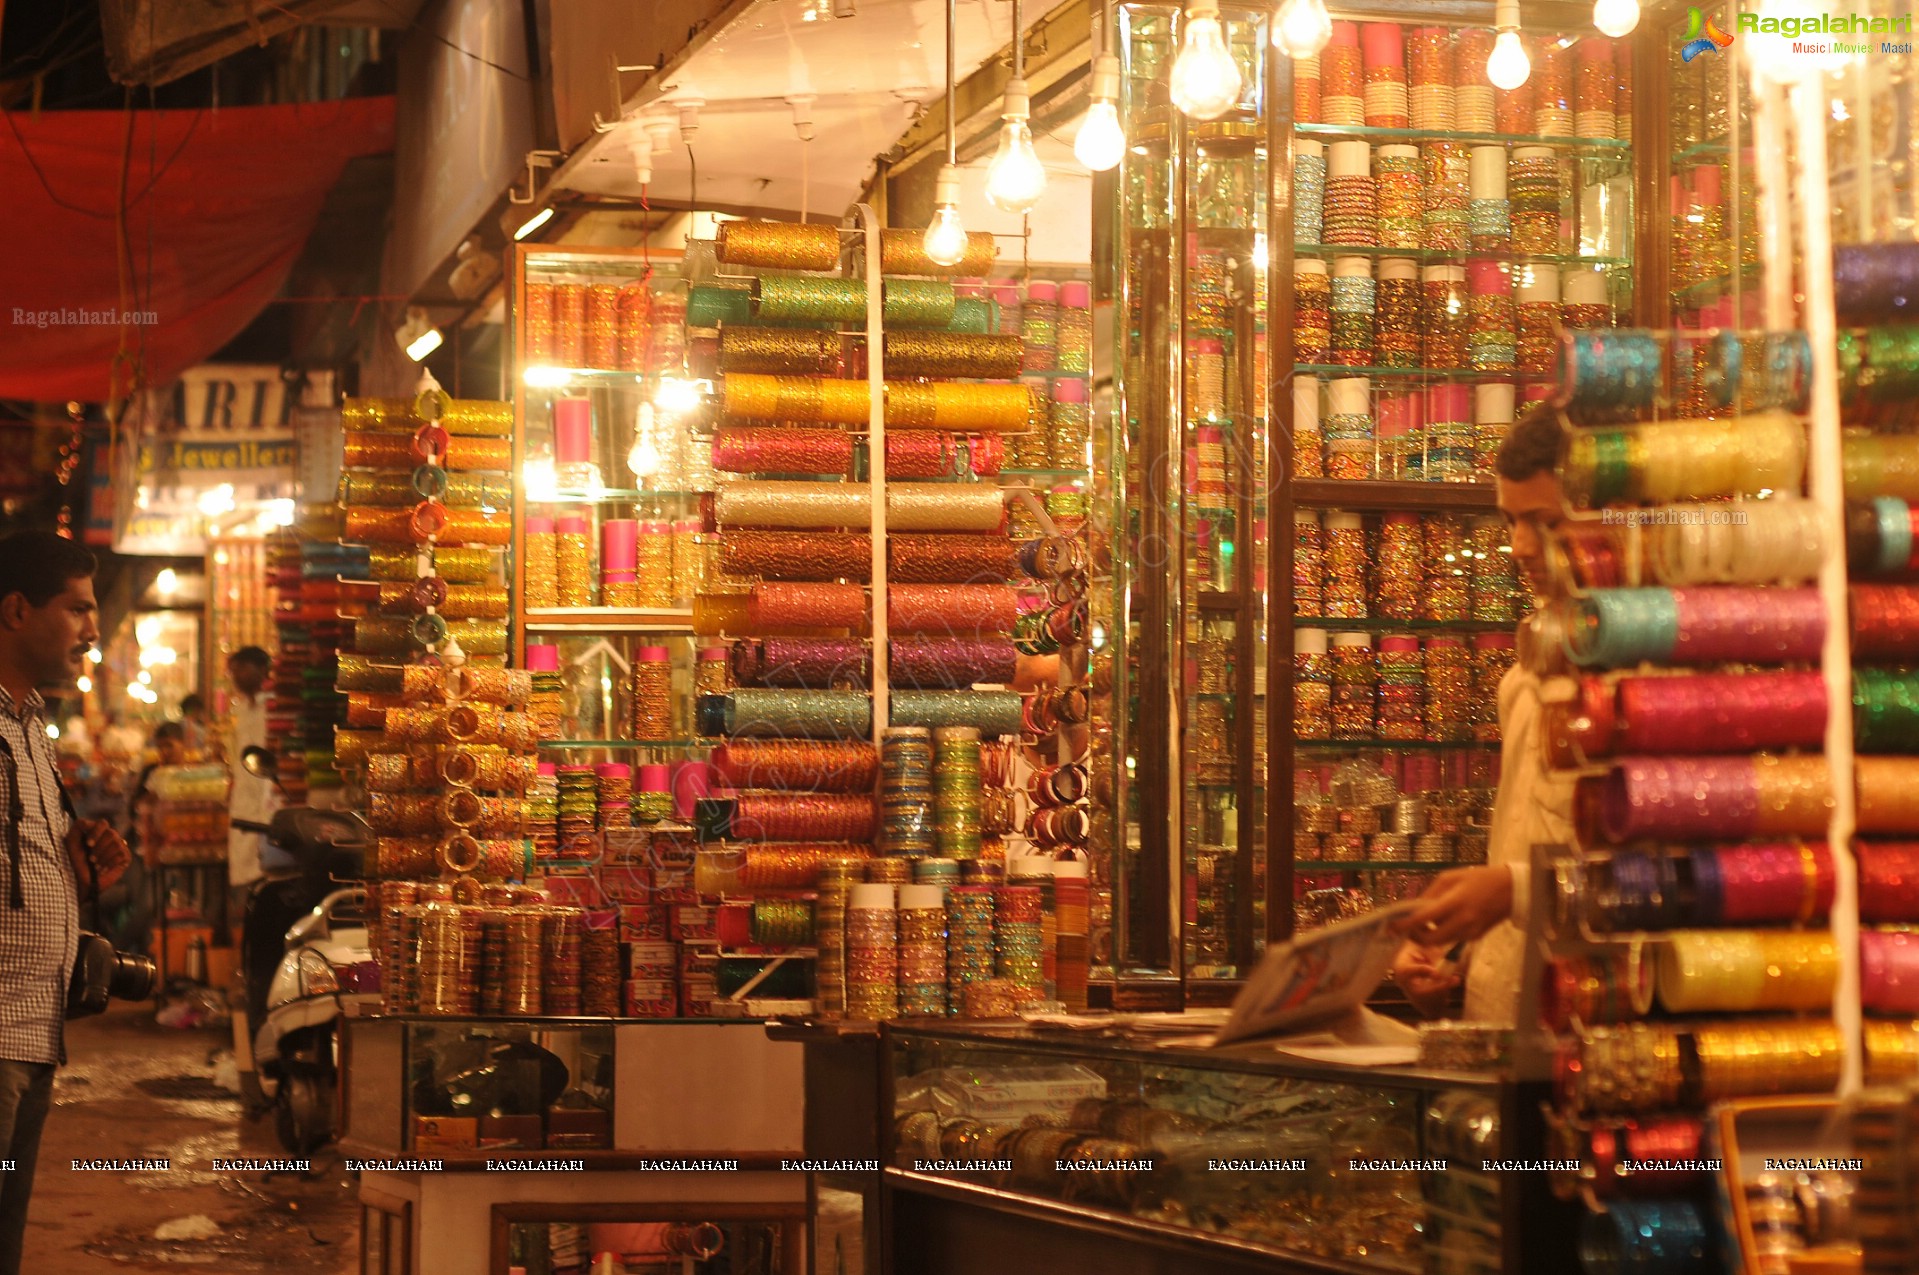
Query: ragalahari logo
x=1702 y=36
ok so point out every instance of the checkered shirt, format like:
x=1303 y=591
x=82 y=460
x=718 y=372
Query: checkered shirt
x=38 y=941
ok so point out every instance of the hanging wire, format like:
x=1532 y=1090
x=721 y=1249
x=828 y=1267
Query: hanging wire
x=952 y=38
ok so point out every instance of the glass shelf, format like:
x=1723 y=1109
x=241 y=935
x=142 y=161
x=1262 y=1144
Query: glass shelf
x=1392 y=496
x=1708 y=290
x=562 y=745
x=1473 y=375
x=1603 y=147
x=606 y=496
x=1453 y=255
x=1082 y=473
x=1382 y=624
x=1373 y=865
x=609 y=620
x=556 y=379
x=1392 y=745
x=1710 y=148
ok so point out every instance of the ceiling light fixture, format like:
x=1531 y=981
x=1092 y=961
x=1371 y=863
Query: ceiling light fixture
x=1302 y=28
x=945 y=240
x=1205 y=80
x=1015 y=179
x=1101 y=142
x=1507 y=67
x=533 y=223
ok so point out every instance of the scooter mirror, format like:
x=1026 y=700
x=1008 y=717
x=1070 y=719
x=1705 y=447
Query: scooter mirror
x=259 y=763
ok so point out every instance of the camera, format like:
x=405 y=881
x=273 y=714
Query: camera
x=101 y=973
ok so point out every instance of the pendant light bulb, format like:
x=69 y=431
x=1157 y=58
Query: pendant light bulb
x=1101 y=142
x=945 y=240
x=1205 y=80
x=1508 y=67
x=1015 y=179
x=1303 y=28
x=1615 y=18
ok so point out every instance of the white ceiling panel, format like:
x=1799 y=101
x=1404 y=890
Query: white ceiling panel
x=868 y=74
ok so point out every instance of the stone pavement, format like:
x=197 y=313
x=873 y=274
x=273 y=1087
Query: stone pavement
x=138 y=1091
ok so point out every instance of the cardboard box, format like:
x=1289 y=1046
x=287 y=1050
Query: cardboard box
x=652 y=960
x=626 y=883
x=446 y=1133
x=572 y=1127
x=511 y=1131
x=645 y=923
x=651 y=997
x=700 y=957
x=691 y=921
x=573 y=891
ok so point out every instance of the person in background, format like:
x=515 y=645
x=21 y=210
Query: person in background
x=197 y=727
x=249 y=798
x=48 y=623
x=1491 y=904
x=169 y=749
x=127 y=911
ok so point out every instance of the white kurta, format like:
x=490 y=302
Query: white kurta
x=250 y=797
x=1534 y=806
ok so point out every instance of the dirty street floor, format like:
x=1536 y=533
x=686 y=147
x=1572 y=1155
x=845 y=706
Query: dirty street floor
x=136 y=1091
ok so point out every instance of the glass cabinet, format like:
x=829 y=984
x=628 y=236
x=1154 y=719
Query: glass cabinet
x=612 y=472
x=1360 y=1169
x=450 y=1089
x=1331 y=303
x=1184 y=611
x=1712 y=199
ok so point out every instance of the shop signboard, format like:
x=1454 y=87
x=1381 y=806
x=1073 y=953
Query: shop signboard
x=219 y=439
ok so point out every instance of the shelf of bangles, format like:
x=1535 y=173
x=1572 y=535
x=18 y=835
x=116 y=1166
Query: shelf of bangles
x=439 y=733
x=1687 y=957
x=844 y=882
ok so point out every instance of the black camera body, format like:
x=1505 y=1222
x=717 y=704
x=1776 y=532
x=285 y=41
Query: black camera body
x=101 y=973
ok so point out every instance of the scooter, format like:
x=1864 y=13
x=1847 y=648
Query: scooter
x=299 y=977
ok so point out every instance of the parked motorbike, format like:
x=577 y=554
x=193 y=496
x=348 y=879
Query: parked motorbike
x=302 y=947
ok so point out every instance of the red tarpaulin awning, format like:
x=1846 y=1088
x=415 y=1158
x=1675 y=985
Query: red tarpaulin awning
x=219 y=205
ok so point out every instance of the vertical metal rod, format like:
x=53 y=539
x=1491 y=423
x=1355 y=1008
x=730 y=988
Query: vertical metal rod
x=876 y=467
x=952 y=39
x=1019 y=44
x=1827 y=485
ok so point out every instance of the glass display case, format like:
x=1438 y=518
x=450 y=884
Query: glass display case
x=453 y=1088
x=715 y=1239
x=608 y=507
x=1713 y=256
x=1331 y=303
x=1183 y=614
x=1375 y=1169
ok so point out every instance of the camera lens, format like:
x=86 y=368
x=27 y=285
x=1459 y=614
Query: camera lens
x=133 y=977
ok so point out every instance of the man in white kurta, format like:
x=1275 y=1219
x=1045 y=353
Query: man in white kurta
x=1491 y=904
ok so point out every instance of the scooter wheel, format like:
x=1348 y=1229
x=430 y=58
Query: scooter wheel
x=303 y=1112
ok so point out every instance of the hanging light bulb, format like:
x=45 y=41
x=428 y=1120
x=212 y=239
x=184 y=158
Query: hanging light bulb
x=643 y=159
x=1205 y=79
x=1615 y=17
x=945 y=237
x=1302 y=28
x=1015 y=179
x=1507 y=67
x=644 y=458
x=1101 y=143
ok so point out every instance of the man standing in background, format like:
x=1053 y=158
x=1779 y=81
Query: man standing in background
x=250 y=798
x=52 y=861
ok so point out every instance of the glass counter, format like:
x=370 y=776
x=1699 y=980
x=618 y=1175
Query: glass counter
x=1346 y=1168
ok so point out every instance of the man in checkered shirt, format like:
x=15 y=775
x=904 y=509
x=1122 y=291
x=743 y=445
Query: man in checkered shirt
x=47 y=625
